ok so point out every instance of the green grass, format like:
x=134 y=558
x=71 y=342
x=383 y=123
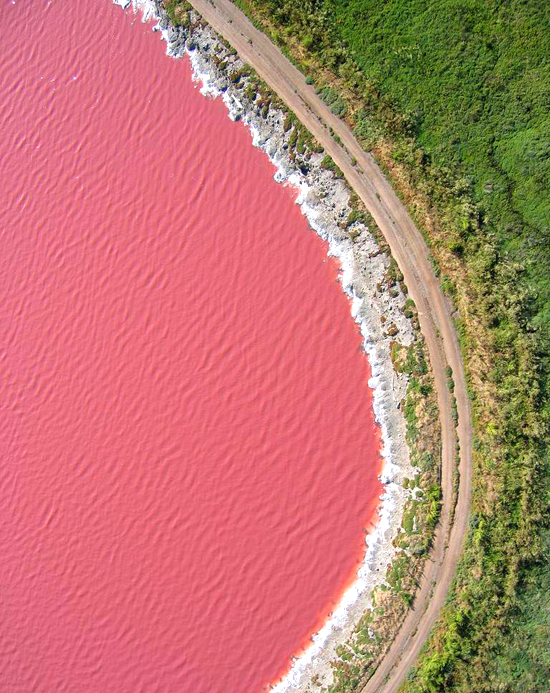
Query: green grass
x=473 y=81
x=521 y=665
x=337 y=105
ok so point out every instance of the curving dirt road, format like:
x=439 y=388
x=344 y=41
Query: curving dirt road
x=411 y=254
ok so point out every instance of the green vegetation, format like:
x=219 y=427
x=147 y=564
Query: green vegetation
x=521 y=664
x=452 y=99
x=178 y=11
x=328 y=163
x=332 y=98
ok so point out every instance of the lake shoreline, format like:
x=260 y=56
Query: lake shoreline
x=325 y=201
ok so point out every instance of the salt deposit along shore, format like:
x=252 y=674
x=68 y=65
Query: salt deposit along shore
x=324 y=200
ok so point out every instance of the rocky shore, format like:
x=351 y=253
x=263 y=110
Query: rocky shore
x=377 y=303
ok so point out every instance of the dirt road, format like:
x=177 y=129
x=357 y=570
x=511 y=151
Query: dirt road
x=411 y=254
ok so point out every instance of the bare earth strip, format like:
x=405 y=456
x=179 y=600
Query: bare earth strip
x=411 y=254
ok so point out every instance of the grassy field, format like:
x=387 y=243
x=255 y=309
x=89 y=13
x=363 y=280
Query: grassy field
x=453 y=100
x=473 y=79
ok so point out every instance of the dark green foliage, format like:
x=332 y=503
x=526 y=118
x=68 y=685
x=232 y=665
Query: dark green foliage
x=336 y=102
x=473 y=79
x=177 y=11
x=236 y=76
x=289 y=121
x=293 y=138
x=328 y=163
x=522 y=665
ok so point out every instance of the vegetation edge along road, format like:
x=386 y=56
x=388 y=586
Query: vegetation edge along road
x=411 y=254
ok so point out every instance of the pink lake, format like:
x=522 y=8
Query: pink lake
x=189 y=453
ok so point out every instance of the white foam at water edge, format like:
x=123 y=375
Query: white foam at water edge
x=389 y=502
x=379 y=547
x=147 y=7
x=341 y=249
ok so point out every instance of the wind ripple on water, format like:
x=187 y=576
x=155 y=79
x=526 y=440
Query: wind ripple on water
x=189 y=452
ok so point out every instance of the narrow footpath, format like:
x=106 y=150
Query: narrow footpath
x=411 y=254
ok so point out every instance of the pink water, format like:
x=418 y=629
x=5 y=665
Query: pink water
x=188 y=452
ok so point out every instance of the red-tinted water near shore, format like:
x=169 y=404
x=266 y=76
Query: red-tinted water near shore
x=188 y=449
